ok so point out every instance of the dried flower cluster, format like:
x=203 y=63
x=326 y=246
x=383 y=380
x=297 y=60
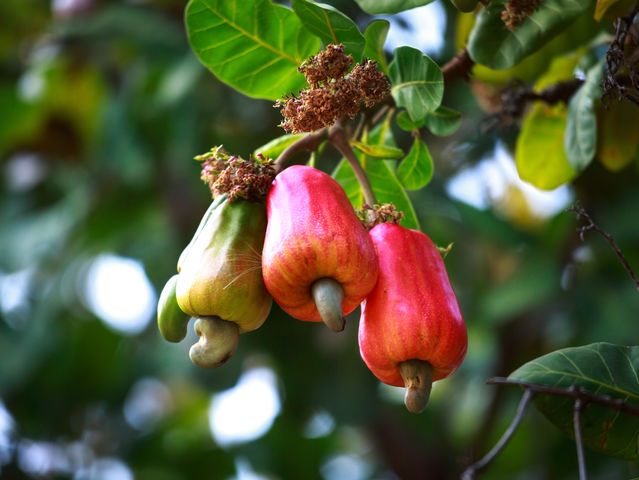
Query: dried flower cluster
x=333 y=93
x=516 y=11
x=379 y=213
x=236 y=177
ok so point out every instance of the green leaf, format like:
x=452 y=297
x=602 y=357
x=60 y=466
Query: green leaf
x=378 y=151
x=275 y=147
x=417 y=82
x=255 y=47
x=331 y=26
x=416 y=170
x=405 y=123
x=540 y=156
x=375 y=35
x=389 y=6
x=443 y=122
x=617 y=145
x=601 y=369
x=386 y=186
x=493 y=45
x=581 y=130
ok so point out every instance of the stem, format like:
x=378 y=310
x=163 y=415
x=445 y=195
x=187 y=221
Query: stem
x=337 y=137
x=573 y=392
x=328 y=296
x=458 y=67
x=580 y=212
x=481 y=464
x=579 y=405
x=418 y=381
x=308 y=143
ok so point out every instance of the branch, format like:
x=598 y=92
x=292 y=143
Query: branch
x=469 y=473
x=458 y=67
x=581 y=461
x=572 y=392
x=308 y=143
x=617 y=59
x=580 y=212
x=338 y=138
x=515 y=98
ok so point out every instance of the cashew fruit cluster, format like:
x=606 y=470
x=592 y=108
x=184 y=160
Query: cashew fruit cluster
x=411 y=330
x=219 y=282
x=319 y=263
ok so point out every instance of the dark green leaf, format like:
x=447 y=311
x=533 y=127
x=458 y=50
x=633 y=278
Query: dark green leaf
x=601 y=369
x=443 y=122
x=275 y=147
x=378 y=151
x=375 y=35
x=389 y=6
x=386 y=186
x=405 y=123
x=331 y=26
x=417 y=82
x=255 y=47
x=581 y=129
x=416 y=170
x=493 y=45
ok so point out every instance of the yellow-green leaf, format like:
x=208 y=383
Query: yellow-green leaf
x=378 y=151
x=540 y=156
x=618 y=144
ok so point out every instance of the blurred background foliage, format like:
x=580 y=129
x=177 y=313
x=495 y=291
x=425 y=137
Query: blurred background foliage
x=103 y=106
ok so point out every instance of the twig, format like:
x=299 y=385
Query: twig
x=572 y=392
x=308 y=143
x=469 y=473
x=579 y=406
x=337 y=137
x=515 y=98
x=617 y=59
x=458 y=67
x=580 y=212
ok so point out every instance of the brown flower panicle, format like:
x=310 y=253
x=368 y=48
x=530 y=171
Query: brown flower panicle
x=517 y=11
x=333 y=93
x=379 y=213
x=329 y=64
x=236 y=177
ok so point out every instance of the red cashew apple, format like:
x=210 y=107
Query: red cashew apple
x=318 y=261
x=411 y=331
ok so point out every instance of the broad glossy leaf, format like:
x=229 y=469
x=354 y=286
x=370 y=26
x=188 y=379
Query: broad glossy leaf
x=581 y=129
x=601 y=369
x=331 y=26
x=540 y=156
x=386 y=186
x=390 y=6
x=275 y=147
x=417 y=82
x=379 y=151
x=375 y=35
x=493 y=45
x=443 y=122
x=405 y=123
x=255 y=47
x=416 y=170
x=618 y=145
